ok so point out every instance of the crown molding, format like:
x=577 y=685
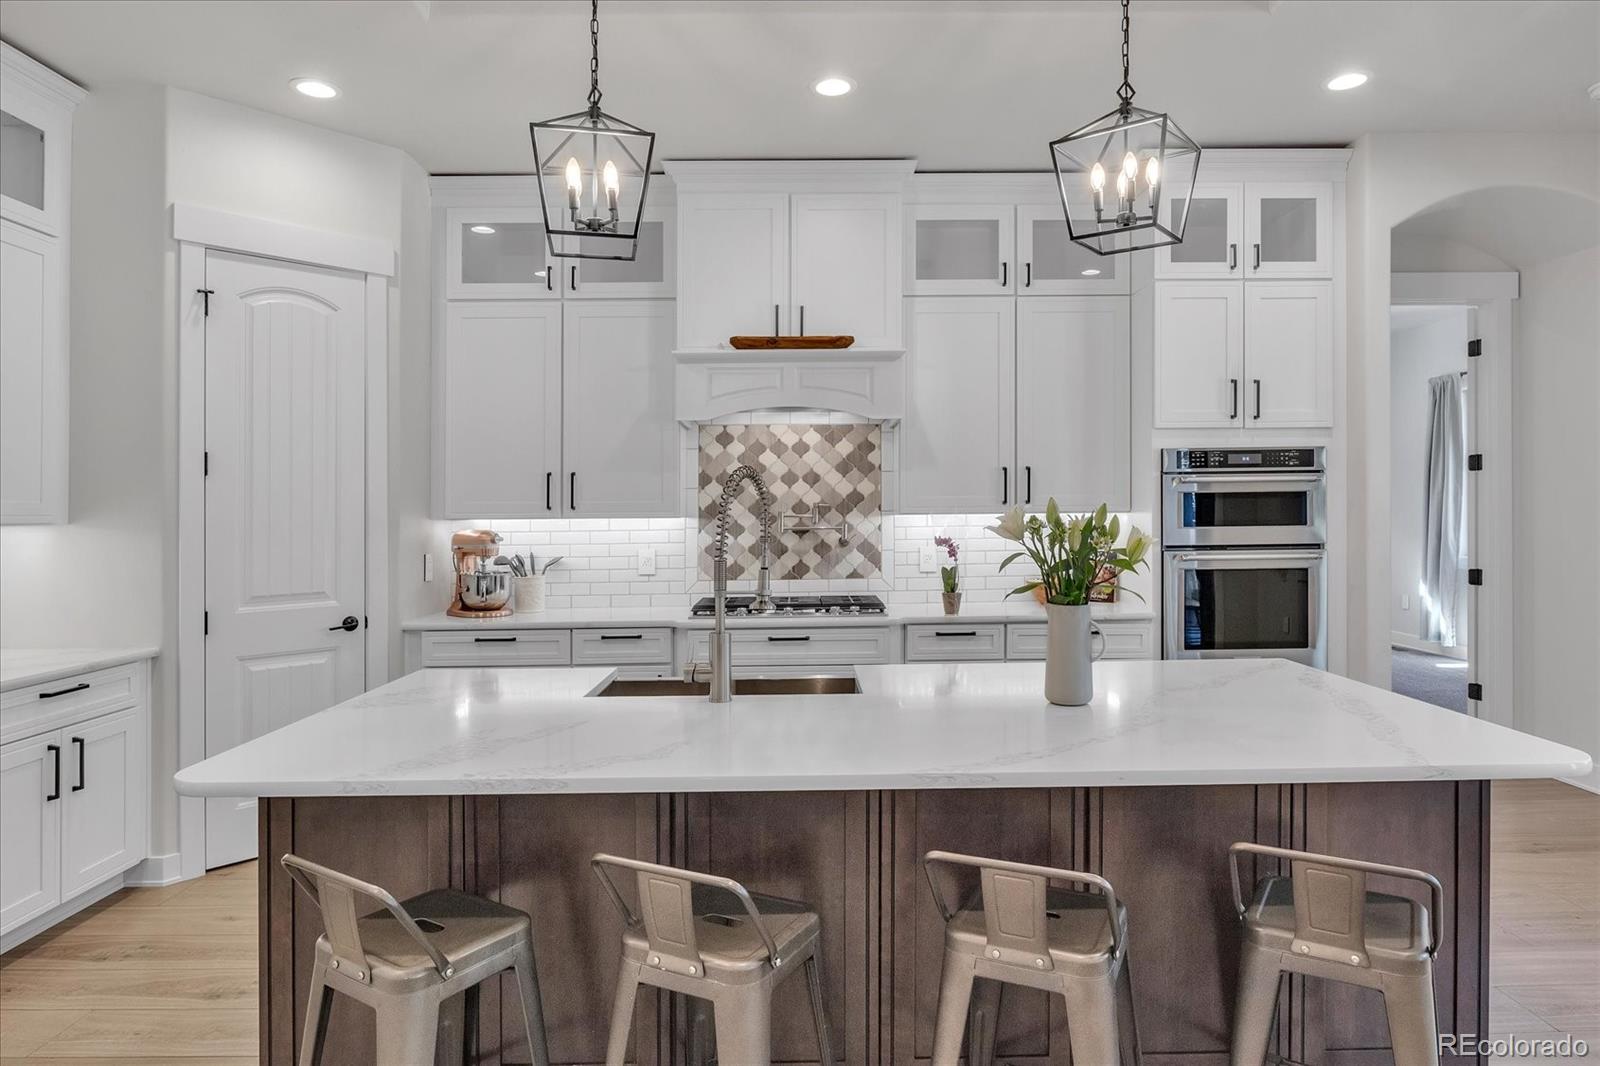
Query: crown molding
x=790 y=175
x=40 y=78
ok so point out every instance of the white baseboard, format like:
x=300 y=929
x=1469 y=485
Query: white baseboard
x=33 y=927
x=155 y=871
x=1429 y=647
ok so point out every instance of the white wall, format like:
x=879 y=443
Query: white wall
x=1417 y=352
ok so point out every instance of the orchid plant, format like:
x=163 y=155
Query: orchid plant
x=948 y=574
x=1072 y=552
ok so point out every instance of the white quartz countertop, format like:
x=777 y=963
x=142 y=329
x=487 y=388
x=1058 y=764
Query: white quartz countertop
x=20 y=667
x=677 y=616
x=936 y=725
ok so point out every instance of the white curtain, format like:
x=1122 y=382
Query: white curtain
x=1445 y=509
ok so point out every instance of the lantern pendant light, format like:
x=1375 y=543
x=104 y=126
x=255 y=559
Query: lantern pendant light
x=593 y=171
x=1127 y=178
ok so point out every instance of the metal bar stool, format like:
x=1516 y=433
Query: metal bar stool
x=1322 y=921
x=405 y=963
x=709 y=937
x=1024 y=932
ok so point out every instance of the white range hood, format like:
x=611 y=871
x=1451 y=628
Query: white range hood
x=714 y=383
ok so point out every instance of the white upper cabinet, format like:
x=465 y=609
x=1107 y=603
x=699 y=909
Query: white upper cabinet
x=1288 y=353
x=733 y=266
x=1050 y=263
x=498 y=391
x=960 y=249
x=1199 y=354
x=845 y=256
x=620 y=443
x=1252 y=230
x=499 y=254
x=1289 y=229
x=652 y=272
x=958 y=439
x=35 y=142
x=33 y=377
x=1073 y=406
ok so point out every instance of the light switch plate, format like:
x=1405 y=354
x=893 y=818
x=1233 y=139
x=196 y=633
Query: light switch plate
x=925 y=560
x=647 y=560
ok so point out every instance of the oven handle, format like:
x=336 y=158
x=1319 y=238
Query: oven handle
x=1242 y=479
x=1254 y=557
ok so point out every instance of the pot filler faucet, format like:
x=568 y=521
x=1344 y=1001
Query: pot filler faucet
x=721 y=644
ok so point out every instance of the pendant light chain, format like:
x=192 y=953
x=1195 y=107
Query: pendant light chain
x=1125 y=90
x=594 y=56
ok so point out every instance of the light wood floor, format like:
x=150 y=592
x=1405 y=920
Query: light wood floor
x=168 y=975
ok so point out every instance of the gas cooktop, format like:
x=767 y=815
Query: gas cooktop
x=739 y=606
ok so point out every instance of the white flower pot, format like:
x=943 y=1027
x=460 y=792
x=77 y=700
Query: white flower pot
x=1069 y=654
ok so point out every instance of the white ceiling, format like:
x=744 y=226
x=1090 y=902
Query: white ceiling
x=960 y=84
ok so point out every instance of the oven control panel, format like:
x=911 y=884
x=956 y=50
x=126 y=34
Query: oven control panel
x=1179 y=459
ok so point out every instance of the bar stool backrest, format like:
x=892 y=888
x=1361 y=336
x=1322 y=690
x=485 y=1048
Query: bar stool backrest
x=335 y=895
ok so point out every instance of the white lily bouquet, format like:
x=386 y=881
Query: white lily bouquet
x=1074 y=553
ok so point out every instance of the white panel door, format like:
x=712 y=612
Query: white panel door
x=1050 y=263
x=103 y=820
x=1073 y=385
x=30 y=828
x=957 y=442
x=33 y=379
x=1289 y=229
x=621 y=448
x=846 y=267
x=499 y=398
x=1199 y=354
x=1213 y=237
x=733 y=266
x=1288 y=353
x=285 y=508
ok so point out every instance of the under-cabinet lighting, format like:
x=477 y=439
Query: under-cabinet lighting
x=1349 y=80
x=482 y=229
x=315 y=88
x=1091 y=273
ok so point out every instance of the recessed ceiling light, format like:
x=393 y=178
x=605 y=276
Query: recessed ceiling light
x=1350 y=80
x=833 y=86
x=1091 y=273
x=482 y=229
x=314 y=88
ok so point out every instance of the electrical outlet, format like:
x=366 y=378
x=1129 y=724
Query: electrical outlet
x=925 y=560
x=647 y=560
x=1405 y=601
x=427 y=566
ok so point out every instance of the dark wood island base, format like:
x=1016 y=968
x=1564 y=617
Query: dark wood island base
x=856 y=857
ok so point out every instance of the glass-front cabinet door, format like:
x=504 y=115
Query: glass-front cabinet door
x=498 y=254
x=35 y=139
x=1213 y=237
x=1050 y=264
x=960 y=249
x=650 y=273
x=1288 y=229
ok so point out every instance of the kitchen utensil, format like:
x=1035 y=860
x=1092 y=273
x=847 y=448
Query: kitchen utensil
x=551 y=563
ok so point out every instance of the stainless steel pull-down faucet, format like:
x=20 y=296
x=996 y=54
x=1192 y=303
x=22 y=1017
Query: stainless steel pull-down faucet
x=721 y=644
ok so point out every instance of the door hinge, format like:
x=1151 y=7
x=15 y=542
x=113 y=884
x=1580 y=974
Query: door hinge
x=1474 y=691
x=1474 y=576
x=206 y=624
x=206 y=294
x=1474 y=348
x=1475 y=461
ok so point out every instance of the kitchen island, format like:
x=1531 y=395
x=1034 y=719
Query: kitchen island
x=504 y=781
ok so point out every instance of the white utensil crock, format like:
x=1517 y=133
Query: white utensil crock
x=527 y=594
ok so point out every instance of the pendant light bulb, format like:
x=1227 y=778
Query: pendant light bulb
x=574 y=176
x=1152 y=172
x=613 y=185
x=1130 y=166
x=1097 y=178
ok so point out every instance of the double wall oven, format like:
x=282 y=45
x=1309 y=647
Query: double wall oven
x=1244 y=534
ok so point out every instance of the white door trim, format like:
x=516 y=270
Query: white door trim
x=275 y=240
x=1493 y=622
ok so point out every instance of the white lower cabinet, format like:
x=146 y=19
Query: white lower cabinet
x=30 y=829
x=498 y=647
x=956 y=642
x=1124 y=640
x=102 y=833
x=817 y=647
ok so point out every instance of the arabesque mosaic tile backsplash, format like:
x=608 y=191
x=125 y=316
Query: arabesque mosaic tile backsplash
x=827 y=480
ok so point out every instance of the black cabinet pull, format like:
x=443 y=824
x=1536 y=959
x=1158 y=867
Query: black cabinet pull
x=1003 y=266
x=955 y=632
x=621 y=636
x=1233 y=257
x=1257 y=415
x=1233 y=404
x=1027 y=282
x=1258 y=256
x=549 y=278
x=1027 y=496
x=494 y=640
x=81 y=748
x=1005 y=484
x=79 y=687
x=55 y=750
x=574 y=277
x=572 y=490
x=350 y=624
x=788 y=640
x=802 y=320
x=549 y=476
x=775 y=329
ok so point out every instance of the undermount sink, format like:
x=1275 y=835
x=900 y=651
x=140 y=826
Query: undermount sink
x=742 y=686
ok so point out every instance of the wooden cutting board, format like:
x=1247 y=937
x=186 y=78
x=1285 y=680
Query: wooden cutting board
x=750 y=343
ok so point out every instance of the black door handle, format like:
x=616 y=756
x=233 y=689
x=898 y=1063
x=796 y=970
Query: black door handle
x=1027 y=282
x=787 y=640
x=55 y=750
x=350 y=624
x=1233 y=257
x=802 y=320
x=1027 y=495
x=1233 y=404
x=81 y=748
x=1258 y=256
x=1257 y=415
x=1003 y=279
x=79 y=687
x=549 y=476
x=955 y=633
x=574 y=277
x=1005 y=484
x=549 y=278
x=572 y=490
x=494 y=640
x=621 y=636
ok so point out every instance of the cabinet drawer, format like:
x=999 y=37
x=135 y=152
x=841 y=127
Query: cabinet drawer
x=955 y=642
x=621 y=647
x=1124 y=640
x=69 y=699
x=843 y=646
x=501 y=647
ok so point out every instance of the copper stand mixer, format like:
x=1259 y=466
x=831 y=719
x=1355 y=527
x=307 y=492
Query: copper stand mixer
x=480 y=592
